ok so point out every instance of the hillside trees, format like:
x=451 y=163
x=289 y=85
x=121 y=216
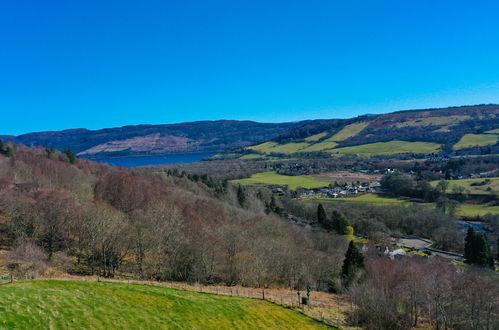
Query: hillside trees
x=477 y=249
x=322 y=217
x=353 y=263
x=340 y=222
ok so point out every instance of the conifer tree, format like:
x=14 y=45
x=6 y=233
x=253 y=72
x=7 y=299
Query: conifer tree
x=354 y=261
x=71 y=155
x=321 y=216
x=241 y=196
x=477 y=249
x=339 y=222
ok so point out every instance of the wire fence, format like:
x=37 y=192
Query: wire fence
x=333 y=310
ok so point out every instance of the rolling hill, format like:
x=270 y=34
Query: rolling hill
x=83 y=305
x=466 y=129
x=199 y=136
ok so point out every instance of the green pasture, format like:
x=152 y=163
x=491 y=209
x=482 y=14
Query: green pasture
x=484 y=186
x=472 y=140
x=389 y=148
x=98 y=305
x=272 y=178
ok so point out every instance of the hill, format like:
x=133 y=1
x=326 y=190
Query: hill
x=84 y=305
x=199 y=136
x=466 y=130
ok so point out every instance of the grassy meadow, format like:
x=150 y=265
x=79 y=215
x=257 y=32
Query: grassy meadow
x=472 y=140
x=293 y=182
x=389 y=148
x=55 y=304
x=483 y=186
x=349 y=131
x=470 y=210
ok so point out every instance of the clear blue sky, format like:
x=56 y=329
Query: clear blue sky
x=94 y=64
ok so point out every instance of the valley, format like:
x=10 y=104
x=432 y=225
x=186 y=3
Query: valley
x=328 y=206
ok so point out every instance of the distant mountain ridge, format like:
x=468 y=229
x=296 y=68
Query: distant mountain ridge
x=188 y=137
x=468 y=129
x=464 y=130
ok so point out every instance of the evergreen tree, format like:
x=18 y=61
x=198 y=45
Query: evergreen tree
x=241 y=196
x=339 y=222
x=354 y=261
x=469 y=246
x=321 y=216
x=71 y=155
x=477 y=249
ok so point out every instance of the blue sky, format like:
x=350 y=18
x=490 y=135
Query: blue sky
x=95 y=64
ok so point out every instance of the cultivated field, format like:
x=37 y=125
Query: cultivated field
x=483 y=186
x=293 y=182
x=389 y=148
x=433 y=121
x=347 y=177
x=468 y=210
x=349 y=131
x=56 y=304
x=274 y=147
x=472 y=140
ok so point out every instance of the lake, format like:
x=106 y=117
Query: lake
x=153 y=160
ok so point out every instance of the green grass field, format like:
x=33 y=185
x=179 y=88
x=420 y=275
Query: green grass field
x=349 y=131
x=272 y=178
x=97 y=305
x=374 y=199
x=252 y=156
x=471 y=140
x=316 y=137
x=389 y=148
x=473 y=210
x=321 y=146
x=433 y=121
x=493 y=131
x=270 y=147
x=380 y=200
x=482 y=189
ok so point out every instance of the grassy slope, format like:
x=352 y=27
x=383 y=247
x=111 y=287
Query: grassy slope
x=379 y=200
x=272 y=178
x=349 y=131
x=316 y=137
x=388 y=148
x=288 y=148
x=470 y=140
x=433 y=121
x=90 y=305
x=321 y=146
x=496 y=131
x=477 y=190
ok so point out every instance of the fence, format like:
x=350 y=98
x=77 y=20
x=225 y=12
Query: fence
x=333 y=310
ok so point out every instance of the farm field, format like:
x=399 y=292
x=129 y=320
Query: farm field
x=56 y=304
x=375 y=199
x=380 y=200
x=324 y=145
x=293 y=182
x=347 y=177
x=270 y=147
x=471 y=140
x=316 y=137
x=433 y=121
x=389 y=148
x=483 y=186
x=473 y=210
x=349 y=131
